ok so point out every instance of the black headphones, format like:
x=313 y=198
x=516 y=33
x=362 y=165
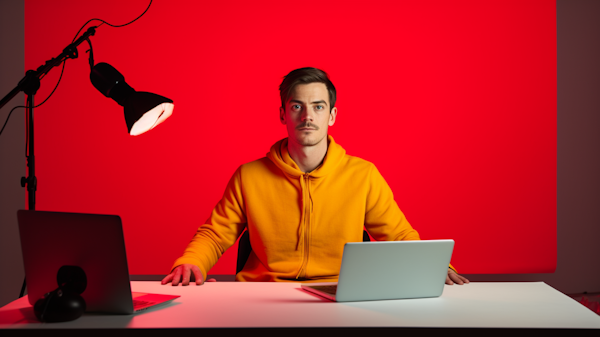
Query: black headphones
x=65 y=303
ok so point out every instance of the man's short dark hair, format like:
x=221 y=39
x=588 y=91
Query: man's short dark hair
x=305 y=76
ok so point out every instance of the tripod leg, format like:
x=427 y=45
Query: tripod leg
x=23 y=288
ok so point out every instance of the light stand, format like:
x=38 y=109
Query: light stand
x=30 y=85
x=143 y=111
x=31 y=181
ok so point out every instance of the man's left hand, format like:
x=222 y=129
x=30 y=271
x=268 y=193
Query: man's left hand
x=453 y=277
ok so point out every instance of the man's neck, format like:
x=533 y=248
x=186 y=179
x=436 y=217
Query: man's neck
x=308 y=158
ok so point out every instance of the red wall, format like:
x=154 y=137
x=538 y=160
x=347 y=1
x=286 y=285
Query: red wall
x=455 y=102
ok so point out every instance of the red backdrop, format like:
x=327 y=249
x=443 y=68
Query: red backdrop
x=454 y=101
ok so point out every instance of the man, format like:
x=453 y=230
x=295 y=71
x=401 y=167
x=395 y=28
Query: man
x=301 y=203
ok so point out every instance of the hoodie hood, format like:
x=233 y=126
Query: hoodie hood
x=280 y=156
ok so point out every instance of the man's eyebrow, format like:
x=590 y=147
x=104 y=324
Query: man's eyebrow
x=314 y=102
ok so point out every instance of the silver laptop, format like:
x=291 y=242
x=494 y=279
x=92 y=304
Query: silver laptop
x=50 y=240
x=388 y=270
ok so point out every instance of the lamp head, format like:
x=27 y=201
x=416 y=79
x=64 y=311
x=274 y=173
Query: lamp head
x=143 y=110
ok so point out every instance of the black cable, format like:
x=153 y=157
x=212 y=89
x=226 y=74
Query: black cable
x=64 y=62
x=91 y=56
x=130 y=22
x=116 y=26
x=23 y=106
x=13 y=109
x=27 y=129
x=56 y=86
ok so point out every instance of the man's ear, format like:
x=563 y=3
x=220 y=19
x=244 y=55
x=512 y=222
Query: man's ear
x=282 y=115
x=332 y=116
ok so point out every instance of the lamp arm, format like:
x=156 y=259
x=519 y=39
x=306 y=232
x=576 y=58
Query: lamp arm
x=30 y=83
x=10 y=96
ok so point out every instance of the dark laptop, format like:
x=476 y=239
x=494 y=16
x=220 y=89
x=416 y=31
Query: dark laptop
x=50 y=240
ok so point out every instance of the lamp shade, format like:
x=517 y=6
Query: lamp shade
x=143 y=110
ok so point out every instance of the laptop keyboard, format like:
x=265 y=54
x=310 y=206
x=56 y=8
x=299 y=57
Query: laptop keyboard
x=331 y=290
x=139 y=304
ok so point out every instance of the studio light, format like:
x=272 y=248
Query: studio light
x=143 y=110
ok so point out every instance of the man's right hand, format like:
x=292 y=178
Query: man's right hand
x=182 y=274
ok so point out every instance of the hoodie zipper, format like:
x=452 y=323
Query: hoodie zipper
x=307 y=215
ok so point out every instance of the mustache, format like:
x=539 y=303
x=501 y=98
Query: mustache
x=307 y=125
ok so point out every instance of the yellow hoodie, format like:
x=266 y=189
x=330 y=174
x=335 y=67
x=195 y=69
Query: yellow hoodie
x=298 y=223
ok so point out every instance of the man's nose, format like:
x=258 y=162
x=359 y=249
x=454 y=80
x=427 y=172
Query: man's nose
x=307 y=115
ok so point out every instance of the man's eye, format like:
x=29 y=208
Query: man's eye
x=296 y=107
x=319 y=107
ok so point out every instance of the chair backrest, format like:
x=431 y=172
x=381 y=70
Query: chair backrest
x=244 y=249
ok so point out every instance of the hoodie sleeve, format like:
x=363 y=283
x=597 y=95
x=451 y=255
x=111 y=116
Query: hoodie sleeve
x=383 y=219
x=220 y=231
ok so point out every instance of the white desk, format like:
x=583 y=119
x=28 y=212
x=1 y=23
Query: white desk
x=283 y=305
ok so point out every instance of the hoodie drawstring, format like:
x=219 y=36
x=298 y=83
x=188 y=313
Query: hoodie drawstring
x=303 y=228
x=305 y=185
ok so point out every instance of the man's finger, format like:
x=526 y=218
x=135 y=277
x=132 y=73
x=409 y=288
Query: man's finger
x=464 y=279
x=448 y=280
x=185 y=279
x=197 y=275
x=167 y=279
x=176 y=276
x=456 y=278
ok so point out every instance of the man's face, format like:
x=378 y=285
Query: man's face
x=307 y=114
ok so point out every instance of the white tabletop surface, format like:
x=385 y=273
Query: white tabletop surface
x=239 y=304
